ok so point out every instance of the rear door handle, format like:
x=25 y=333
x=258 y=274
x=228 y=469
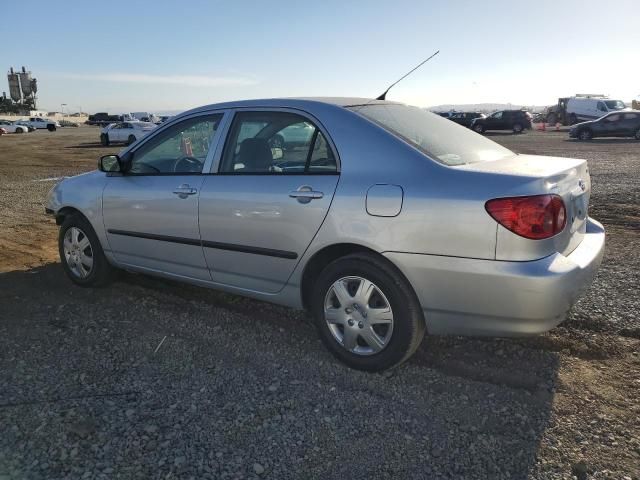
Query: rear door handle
x=304 y=194
x=184 y=190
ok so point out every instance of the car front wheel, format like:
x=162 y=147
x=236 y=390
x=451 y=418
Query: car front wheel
x=104 y=140
x=366 y=313
x=637 y=135
x=81 y=253
x=131 y=139
x=478 y=128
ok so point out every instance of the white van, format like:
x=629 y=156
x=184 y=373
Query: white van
x=590 y=108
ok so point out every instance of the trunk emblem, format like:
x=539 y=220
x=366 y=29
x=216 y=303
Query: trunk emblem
x=582 y=184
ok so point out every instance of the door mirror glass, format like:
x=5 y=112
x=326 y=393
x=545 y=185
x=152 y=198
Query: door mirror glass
x=109 y=163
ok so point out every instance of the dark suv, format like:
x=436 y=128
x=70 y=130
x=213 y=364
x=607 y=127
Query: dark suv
x=516 y=120
x=465 y=118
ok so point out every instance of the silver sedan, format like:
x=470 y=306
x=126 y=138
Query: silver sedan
x=383 y=220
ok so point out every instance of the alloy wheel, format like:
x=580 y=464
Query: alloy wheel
x=358 y=315
x=78 y=252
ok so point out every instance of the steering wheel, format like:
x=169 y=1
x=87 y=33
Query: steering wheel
x=191 y=164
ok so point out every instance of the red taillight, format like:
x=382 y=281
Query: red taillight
x=535 y=217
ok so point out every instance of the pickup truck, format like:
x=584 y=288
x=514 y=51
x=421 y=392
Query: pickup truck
x=41 y=123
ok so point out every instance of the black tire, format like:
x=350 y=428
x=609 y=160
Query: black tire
x=131 y=139
x=637 y=134
x=585 y=134
x=51 y=128
x=517 y=128
x=478 y=128
x=101 y=272
x=408 y=327
x=104 y=139
x=19 y=130
x=573 y=119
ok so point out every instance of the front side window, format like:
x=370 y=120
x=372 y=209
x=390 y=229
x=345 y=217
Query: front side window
x=276 y=143
x=438 y=138
x=614 y=104
x=612 y=118
x=601 y=107
x=180 y=149
x=497 y=115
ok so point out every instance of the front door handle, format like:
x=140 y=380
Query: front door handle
x=304 y=194
x=184 y=190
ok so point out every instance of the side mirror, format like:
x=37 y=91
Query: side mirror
x=109 y=164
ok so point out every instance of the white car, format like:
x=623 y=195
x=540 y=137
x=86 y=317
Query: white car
x=580 y=109
x=125 y=132
x=12 y=127
x=41 y=123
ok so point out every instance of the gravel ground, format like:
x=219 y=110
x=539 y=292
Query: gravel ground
x=152 y=379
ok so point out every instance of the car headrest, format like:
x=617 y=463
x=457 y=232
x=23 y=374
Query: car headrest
x=255 y=155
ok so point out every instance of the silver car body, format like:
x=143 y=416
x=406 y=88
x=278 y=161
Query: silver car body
x=245 y=234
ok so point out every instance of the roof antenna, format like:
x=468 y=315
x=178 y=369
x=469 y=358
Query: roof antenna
x=384 y=95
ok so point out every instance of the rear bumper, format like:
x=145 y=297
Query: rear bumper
x=465 y=296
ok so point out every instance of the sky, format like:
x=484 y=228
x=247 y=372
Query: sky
x=164 y=56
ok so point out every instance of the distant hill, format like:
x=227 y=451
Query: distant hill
x=484 y=107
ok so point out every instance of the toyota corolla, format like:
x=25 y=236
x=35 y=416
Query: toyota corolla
x=386 y=222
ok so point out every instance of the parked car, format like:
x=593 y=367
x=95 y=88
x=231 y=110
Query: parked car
x=617 y=124
x=25 y=123
x=390 y=222
x=466 y=118
x=41 y=123
x=125 y=132
x=516 y=120
x=12 y=127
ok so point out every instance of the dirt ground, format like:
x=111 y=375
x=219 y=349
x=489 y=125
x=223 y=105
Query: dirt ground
x=572 y=396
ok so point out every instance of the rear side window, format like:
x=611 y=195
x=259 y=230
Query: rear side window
x=276 y=143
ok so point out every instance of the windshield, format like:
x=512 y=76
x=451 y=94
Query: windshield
x=614 y=104
x=439 y=138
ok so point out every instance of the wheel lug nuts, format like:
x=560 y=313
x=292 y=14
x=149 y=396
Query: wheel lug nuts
x=348 y=310
x=360 y=324
x=350 y=322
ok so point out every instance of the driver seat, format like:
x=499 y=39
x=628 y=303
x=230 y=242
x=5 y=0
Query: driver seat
x=255 y=155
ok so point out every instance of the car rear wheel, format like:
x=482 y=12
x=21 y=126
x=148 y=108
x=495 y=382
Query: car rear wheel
x=51 y=128
x=131 y=139
x=19 y=130
x=366 y=313
x=517 y=128
x=585 y=134
x=637 y=135
x=81 y=253
x=478 y=128
x=104 y=140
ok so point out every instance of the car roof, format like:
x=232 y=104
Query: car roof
x=295 y=102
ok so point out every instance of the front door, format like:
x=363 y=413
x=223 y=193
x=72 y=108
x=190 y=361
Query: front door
x=495 y=121
x=273 y=189
x=151 y=212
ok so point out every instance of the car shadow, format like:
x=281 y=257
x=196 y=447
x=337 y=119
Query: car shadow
x=148 y=344
x=89 y=145
x=604 y=141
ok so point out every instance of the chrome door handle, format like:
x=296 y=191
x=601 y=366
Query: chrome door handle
x=304 y=194
x=184 y=190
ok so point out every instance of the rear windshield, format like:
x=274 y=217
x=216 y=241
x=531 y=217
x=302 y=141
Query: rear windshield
x=439 y=138
x=614 y=104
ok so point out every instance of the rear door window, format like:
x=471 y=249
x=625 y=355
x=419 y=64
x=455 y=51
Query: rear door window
x=276 y=143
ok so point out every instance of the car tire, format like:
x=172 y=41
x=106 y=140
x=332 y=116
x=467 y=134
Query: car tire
x=478 y=128
x=372 y=346
x=585 y=134
x=51 y=128
x=131 y=139
x=517 y=128
x=104 y=140
x=81 y=254
x=637 y=134
x=19 y=130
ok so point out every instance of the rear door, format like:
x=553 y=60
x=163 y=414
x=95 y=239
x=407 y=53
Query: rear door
x=612 y=125
x=270 y=194
x=630 y=124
